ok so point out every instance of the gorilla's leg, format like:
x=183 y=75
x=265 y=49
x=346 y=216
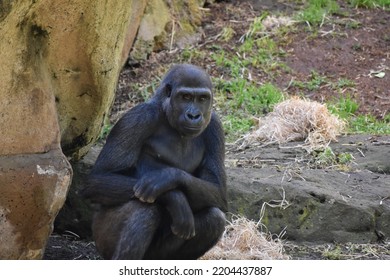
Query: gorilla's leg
x=126 y=232
x=209 y=226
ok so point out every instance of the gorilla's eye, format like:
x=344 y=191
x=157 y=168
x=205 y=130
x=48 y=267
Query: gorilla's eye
x=204 y=98
x=187 y=96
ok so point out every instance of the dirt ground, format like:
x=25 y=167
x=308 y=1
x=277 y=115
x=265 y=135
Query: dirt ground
x=337 y=51
x=354 y=46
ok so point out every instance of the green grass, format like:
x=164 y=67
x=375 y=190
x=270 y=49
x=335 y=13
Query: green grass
x=238 y=97
x=227 y=34
x=328 y=158
x=317 y=10
x=315 y=81
x=368 y=124
x=369 y=3
x=346 y=108
x=242 y=101
x=189 y=54
x=107 y=126
x=344 y=83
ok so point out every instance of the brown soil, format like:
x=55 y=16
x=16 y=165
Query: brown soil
x=350 y=47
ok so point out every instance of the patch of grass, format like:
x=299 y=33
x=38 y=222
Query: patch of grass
x=344 y=83
x=107 y=126
x=255 y=28
x=236 y=125
x=227 y=34
x=241 y=101
x=327 y=158
x=332 y=254
x=258 y=48
x=316 y=11
x=369 y=3
x=250 y=98
x=345 y=107
x=189 y=54
x=345 y=158
x=315 y=81
x=369 y=124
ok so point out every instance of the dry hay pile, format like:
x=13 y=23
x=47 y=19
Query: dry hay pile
x=296 y=120
x=243 y=241
x=273 y=22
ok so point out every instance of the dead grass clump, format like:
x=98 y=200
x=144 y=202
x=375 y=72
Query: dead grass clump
x=273 y=22
x=243 y=241
x=298 y=120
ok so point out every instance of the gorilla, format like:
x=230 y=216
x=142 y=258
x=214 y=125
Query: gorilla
x=159 y=182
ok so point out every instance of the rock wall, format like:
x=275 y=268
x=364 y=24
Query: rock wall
x=60 y=63
x=167 y=25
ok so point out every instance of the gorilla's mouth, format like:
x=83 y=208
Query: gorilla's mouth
x=191 y=130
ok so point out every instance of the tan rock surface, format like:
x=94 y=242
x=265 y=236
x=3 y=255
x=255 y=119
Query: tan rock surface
x=60 y=62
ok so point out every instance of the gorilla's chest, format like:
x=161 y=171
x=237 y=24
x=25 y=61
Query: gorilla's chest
x=185 y=154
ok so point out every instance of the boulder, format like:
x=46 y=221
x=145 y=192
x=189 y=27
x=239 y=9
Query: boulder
x=166 y=25
x=276 y=184
x=348 y=203
x=57 y=82
x=72 y=50
x=33 y=188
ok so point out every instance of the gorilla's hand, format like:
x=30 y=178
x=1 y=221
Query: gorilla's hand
x=154 y=183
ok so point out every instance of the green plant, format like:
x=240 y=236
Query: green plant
x=316 y=11
x=227 y=34
x=107 y=126
x=188 y=54
x=332 y=254
x=253 y=99
x=369 y=3
x=325 y=158
x=344 y=83
x=315 y=81
x=370 y=125
x=345 y=107
x=345 y=158
x=255 y=28
x=236 y=125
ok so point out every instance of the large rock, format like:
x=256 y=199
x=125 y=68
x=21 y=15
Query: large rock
x=167 y=24
x=349 y=204
x=33 y=188
x=59 y=69
x=316 y=205
x=73 y=50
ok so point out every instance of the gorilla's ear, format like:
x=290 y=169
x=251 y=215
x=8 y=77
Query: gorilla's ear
x=168 y=90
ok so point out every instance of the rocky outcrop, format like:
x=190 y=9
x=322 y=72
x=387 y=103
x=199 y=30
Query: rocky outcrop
x=348 y=203
x=345 y=203
x=60 y=63
x=69 y=49
x=167 y=25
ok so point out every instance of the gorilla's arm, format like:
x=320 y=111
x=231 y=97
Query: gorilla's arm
x=109 y=182
x=208 y=187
